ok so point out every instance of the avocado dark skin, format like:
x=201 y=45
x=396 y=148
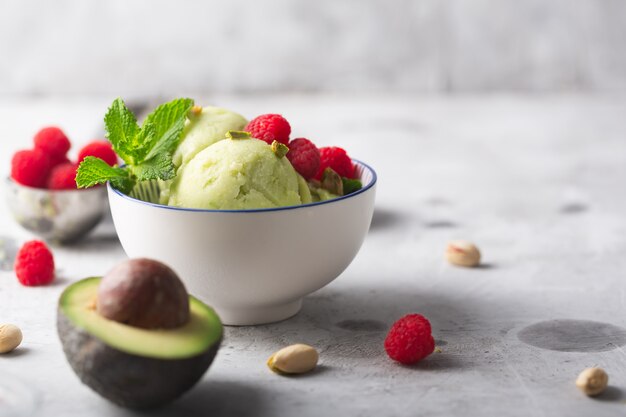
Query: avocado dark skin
x=129 y=380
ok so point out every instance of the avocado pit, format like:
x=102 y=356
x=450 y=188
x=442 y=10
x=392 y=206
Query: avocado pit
x=143 y=293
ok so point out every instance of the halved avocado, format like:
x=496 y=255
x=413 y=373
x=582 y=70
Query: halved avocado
x=131 y=366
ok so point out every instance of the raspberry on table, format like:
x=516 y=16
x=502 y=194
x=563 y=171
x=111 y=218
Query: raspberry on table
x=34 y=264
x=270 y=127
x=337 y=159
x=304 y=156
x=63 y=177
x=54 y=143
x=100 y=149
x=30 y=168
x=410 y=340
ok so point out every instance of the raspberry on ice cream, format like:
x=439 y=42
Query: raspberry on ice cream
x=304 y=156
x=100 y=149
x=270 y=127
x=30 y=167
x=34 y=264
x=337 y=159
x=410 y=340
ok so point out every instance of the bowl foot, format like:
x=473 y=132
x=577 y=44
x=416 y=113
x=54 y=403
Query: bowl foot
x=258 y=315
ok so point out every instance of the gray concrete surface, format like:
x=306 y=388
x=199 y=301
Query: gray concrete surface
x=537 y=183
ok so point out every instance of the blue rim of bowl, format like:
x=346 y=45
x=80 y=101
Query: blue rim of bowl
x=261 y=210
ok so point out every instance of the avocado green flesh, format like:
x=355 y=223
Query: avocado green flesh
x=203 y=330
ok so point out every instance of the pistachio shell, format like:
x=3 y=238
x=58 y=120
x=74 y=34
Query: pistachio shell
x=294 y=359
x=10 y=337
x=462 y=253
x=592 y=381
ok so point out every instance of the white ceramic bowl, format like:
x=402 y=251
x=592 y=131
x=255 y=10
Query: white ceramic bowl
x=252 y=266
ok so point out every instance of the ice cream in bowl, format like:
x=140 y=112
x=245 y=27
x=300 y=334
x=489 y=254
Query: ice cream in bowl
x=251 y=220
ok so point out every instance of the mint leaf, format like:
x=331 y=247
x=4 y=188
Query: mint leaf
x=350 y=185
x=144 y=142
x=121 y=130
x=169 y=121
x=92 y=171
x=160 y=167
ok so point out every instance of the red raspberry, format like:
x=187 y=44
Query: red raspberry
x=63 y=177
x=100 y=149
x=54 y=143
x=337 y=159
x=30 y=168
x=270 y=127
x=409 y=339
x=304 y=156
x=34 y=264
x=57 y=162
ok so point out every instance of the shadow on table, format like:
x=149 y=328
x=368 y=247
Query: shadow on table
x=387 y=218
x=350 y=324
x=99 y=242
x=103 y=238
x=374 y=309
x=611 y=394
x=212 y=398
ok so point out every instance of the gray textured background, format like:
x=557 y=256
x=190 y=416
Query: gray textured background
x=165 y=47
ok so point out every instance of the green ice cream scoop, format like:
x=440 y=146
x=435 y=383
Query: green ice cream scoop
x=203 y=129
x=238 y=174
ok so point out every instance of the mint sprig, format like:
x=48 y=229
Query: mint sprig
x=146 y=150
